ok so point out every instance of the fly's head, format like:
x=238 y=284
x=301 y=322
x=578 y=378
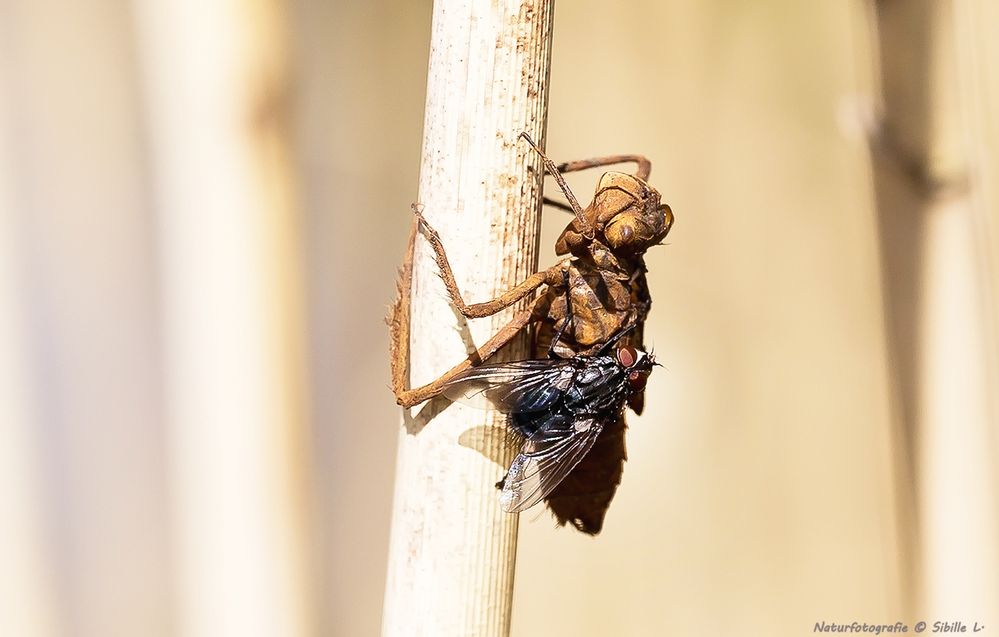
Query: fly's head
x=637 y=366
x=626 y=215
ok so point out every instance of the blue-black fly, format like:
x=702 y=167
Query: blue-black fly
x=561 y=408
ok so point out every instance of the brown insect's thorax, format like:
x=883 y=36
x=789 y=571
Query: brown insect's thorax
x=607 y=285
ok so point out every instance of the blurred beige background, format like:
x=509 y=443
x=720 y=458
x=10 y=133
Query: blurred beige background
x=202 y=209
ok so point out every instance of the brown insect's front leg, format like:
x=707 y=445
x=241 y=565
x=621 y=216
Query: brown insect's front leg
x=574 y=206
x=643 y=172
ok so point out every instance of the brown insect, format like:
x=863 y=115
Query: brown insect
x=585 y=300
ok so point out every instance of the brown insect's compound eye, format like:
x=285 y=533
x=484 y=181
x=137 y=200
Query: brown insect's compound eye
x=627 y=356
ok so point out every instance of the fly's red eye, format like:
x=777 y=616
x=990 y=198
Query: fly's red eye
x=627 y=356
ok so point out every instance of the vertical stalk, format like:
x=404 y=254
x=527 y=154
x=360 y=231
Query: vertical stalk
x=452 y=548
x=929 y=186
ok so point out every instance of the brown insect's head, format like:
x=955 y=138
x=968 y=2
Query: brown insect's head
x=626 y=215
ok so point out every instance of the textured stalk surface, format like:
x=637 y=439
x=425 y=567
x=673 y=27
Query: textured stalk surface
x=452 y=549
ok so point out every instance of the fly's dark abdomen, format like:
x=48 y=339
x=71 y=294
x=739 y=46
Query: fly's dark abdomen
x=529 y=424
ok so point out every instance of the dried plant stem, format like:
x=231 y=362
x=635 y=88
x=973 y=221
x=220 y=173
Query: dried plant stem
x=452 y=548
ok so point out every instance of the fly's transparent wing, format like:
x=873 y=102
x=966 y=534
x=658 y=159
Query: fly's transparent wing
x=519 y=386
x=546 y=458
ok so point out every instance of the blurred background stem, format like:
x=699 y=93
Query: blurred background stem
x=937 y=231
x=217 y=80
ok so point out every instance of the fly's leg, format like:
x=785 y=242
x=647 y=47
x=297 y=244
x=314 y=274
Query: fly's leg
x=568 y=316
x=551 y=276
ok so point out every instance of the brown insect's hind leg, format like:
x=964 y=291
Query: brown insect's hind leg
x=399 y=319
x=551 y=276
x=400 y=358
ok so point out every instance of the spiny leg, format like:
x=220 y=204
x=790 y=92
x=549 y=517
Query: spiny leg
x=399 y=324
x=398 y=319
x=552 y=169
x=400 y=359
x=643 y=172
x=488 y=308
